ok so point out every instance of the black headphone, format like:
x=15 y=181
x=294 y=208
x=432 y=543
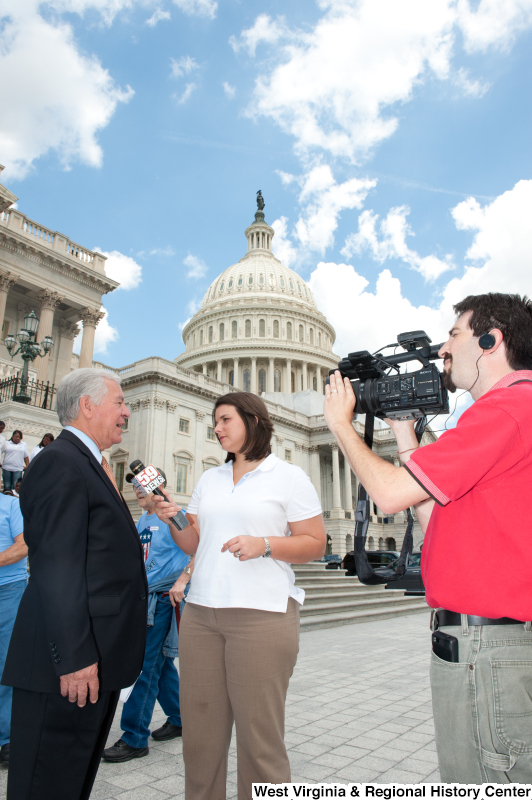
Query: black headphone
x=486 y=341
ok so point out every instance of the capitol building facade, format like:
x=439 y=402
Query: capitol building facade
x=258 y=330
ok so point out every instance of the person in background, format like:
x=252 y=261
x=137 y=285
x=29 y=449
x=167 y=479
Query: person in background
x=46 y=439
x=250 y=519
x=168 y=572
x=13 y=580
x=15 y=459
x=2 y=439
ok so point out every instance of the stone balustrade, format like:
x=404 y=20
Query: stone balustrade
x=26 y=228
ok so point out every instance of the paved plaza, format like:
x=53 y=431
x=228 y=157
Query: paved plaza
x=358 y=710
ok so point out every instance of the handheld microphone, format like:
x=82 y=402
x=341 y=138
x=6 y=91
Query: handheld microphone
x=150 y=479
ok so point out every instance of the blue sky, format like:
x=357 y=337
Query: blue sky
x=390 y=138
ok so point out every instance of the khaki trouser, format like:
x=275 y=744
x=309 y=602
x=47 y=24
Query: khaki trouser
x=483 y=705
x=235 y=664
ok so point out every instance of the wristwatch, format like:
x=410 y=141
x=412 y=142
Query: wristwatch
x=267 y=553
x=188 y=570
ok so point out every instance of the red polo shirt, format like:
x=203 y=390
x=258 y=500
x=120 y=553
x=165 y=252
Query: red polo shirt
x=477 y=553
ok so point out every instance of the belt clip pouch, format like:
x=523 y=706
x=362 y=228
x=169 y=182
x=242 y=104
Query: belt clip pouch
x=445 y=646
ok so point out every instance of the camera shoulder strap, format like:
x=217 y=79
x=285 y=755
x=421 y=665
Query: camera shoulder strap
x=365 y=572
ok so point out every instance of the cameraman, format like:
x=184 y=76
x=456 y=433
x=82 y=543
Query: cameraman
x=470 y=491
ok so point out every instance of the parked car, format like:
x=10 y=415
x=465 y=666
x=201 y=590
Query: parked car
x=411 y=582
x=377 y=558
x=331 y=561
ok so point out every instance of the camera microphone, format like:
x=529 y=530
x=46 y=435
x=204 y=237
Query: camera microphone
x=149 y=479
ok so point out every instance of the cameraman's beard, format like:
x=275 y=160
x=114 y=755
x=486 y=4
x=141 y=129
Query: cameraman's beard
x=447 y=379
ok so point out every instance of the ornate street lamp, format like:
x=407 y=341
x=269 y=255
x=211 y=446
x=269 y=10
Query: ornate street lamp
x=29 y=349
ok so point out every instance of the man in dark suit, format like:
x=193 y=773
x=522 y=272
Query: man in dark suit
x=80 y=631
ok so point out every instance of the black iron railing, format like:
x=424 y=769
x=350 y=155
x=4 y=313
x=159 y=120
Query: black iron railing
x=40 y=394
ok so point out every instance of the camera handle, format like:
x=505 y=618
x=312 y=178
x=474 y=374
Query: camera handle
x=365 y=572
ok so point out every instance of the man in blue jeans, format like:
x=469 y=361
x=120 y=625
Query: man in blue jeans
x=168 y=572
x=13 y=580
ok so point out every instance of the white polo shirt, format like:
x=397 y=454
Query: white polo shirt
x=263 y=503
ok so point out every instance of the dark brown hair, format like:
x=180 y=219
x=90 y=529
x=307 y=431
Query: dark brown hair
x=259 y=427
x=511 y=314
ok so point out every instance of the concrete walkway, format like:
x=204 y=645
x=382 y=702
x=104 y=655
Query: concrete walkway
x=358 y=710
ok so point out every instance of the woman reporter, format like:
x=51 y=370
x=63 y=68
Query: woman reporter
x=239 y=635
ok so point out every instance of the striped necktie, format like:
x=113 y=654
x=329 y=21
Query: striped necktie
x=109 y=472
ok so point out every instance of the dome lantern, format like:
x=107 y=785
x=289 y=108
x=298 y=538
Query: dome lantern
x=259 y=234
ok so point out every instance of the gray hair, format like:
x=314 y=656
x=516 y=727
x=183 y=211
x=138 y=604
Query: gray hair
x=88 y=382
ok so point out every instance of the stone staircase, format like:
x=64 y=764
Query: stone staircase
x=332 y=598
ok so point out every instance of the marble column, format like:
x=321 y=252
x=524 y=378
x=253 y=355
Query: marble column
x=348 y=490
x=288 y=376
x=90 y=318
x=337 y=498
x=49 y=302
x=204 y=368
x=271 y=387
x=298 y=378
x=280 y=451
x=318 y=376
x=254 y=387
x=219 y=370
x=67 y=333
x=305 y=378
x=200 y=437
x=7 y=280
x=235 y=373
x=315 y=475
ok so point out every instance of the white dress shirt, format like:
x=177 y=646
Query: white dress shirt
x=90 y=443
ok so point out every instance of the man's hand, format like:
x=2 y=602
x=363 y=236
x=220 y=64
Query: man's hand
x=247 y=546
x=76 y=685
x=405 y=436
x=340 y=402
x=177 y=592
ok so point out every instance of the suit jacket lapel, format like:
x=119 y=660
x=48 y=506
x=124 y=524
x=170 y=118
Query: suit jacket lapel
x=101 y=474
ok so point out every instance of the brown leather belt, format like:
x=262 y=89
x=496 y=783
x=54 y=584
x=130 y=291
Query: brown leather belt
x=443 y=617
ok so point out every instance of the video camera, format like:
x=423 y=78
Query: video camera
x=408 y=395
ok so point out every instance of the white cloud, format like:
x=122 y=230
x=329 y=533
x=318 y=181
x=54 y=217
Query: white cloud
x=286 y=177
x=157 y=16
x=392 y=243
x=282 y=247
x=198 y=8
x=197 y=268
x=335 y=89
x=229 y=90
x=189 y=88
x=55 y=98
x=105 y=335
x=192 y=307
x=162 y=251
x=365 y=320
x=264 y=30
x=323 y=200
x=182 y=66
x=58 y=98
x=122 y=268
x=502 y=242
x=331 y=88
x=494 y=22
x=468 y=87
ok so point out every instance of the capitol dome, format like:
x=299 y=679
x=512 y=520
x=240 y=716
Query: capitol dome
x=258 y=327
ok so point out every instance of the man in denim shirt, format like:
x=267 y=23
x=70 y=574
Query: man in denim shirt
x=168 y=572
x=13 y=580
